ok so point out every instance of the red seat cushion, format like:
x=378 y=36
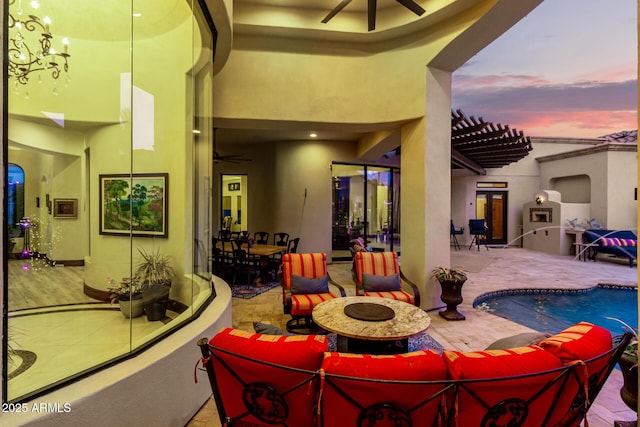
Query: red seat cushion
x=397 y=295
x=302 y=304
x=344 y=400
x=512 y=401
x=234 y=373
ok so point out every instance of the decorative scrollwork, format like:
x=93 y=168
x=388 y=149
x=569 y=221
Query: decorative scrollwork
x=579 y=400
x=30 y=48
x=508 y=413
x=384 y=414
x=265 y=403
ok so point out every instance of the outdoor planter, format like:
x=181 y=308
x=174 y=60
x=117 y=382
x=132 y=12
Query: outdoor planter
x=629 y=390
x=451 y=281
x=452 y=296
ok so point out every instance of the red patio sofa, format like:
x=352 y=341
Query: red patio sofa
x=267 y=380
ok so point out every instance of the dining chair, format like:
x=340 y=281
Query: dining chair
x=224 y=235
x=378 y=274
x=292 y=246
x=454 y=231
x=478 y=229
x=305 y=284
x=280 y=239
x=226 y=223
x=217 y=263
x=223 y=243
x=261 y=237
x=242 y=261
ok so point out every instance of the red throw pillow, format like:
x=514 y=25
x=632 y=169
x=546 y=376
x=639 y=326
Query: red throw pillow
x=344 y=400
x=582 y=341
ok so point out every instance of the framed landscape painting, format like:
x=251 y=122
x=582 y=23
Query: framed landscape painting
x=134 y=204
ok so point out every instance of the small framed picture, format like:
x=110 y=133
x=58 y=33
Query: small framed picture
x=234 y=186
x=65 y=208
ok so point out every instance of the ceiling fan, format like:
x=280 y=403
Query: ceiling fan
x=371 y=11
x=229 y=158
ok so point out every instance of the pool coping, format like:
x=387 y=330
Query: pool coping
x=519 y=291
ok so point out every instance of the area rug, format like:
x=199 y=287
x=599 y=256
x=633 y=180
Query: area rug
x=250 y=291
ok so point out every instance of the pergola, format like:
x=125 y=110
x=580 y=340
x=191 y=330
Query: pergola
x=477 y=145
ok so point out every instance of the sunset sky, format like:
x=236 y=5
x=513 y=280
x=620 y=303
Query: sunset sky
x=569 y=68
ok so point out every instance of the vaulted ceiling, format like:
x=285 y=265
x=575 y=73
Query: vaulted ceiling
x=475 y=143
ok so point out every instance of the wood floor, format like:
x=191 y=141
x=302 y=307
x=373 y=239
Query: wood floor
x=33 y=284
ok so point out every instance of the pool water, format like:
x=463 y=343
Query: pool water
x=551 y=311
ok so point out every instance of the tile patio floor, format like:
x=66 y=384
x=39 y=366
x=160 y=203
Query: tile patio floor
x=488 y=270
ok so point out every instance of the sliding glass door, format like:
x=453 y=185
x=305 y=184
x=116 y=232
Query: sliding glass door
x=365 y=206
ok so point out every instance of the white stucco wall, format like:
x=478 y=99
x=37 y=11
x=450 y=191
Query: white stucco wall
x=613 y=176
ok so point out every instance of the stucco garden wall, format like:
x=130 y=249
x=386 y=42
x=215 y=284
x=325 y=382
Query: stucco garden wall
x=613 y=176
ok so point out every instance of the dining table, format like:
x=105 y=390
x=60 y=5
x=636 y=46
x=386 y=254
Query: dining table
x=263 y=251
x=257 y=249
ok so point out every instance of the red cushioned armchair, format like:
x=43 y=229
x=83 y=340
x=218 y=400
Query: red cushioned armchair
x=374 y=272
x=305 y=284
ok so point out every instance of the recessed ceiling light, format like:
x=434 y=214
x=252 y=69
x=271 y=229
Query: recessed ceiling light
x=313 y=135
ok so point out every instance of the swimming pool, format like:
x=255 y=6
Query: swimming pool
x=552 y=310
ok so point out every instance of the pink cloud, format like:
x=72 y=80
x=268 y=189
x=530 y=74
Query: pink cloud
x=579 y=109
x=620 y=73
x=466 y=82
x=574 y=124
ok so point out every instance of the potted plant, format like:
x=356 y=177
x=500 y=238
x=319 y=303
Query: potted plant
x=154 y=273
x=629 y=366
x=128 y=295
x=451 y=281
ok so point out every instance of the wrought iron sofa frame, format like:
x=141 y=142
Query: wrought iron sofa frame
x=269 y=406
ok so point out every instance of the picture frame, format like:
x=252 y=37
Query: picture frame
x=65 y=208
x=134 y=204
x=234 y=186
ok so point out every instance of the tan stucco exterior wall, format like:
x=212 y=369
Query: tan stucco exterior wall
x=269 y=81
x=613 y=176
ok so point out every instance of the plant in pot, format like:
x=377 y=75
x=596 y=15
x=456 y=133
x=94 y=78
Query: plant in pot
x=154 y=273
x=128 y=294
x=629 y=367
x=451 y=281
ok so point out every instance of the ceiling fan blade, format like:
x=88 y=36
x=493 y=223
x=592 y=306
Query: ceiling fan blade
x=412 y=6
x=337 y=9
x=372 y=14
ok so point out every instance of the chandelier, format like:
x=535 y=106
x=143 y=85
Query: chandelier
x=30 y=45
